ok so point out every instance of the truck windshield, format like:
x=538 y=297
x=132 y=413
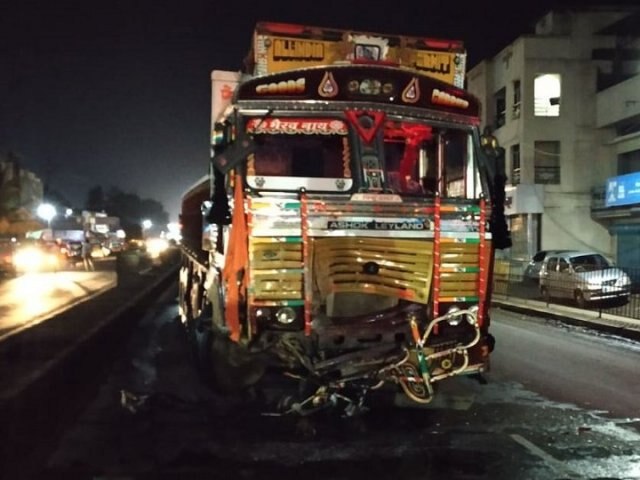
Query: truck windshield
x=421 y=160
x=299 y=153
x=315 y=154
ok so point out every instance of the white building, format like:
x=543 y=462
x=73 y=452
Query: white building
x=19 y=188
x=561 y=102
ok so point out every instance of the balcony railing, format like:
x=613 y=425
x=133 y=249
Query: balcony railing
x=598 y=196
x=547 y=175
x=515 y=176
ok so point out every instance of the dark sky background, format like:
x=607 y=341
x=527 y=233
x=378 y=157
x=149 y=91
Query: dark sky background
x=117 y=92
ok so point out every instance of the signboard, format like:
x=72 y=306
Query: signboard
x=278 y=48
x=524 y=199
x=352 y=83
x=306 y=126
x=369 y=224
x=623 y=190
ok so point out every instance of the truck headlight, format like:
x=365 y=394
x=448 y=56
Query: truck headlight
x=472 y=316
x=452 y=318
x=263 y=314
x=286 y=315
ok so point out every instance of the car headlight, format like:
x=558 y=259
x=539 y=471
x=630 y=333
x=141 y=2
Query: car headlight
x=29 y=259
x=623 y=281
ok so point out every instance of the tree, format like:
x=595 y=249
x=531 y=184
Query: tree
x=129 y=208
x=95 y=199
x=9 y=184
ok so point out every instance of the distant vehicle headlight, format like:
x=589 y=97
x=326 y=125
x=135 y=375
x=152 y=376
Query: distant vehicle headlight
x=31 y=259
x=155 y=246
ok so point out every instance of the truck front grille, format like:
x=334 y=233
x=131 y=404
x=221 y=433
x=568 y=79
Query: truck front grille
x=399 y=268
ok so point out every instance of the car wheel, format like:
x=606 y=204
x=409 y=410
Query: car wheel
x=544 y=291
x=578 y=296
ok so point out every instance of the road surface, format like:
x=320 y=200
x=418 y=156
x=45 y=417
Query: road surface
x=569 y=364
x=154 y=418
x=33 y=297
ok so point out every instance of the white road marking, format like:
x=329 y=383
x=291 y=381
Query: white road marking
x=554 y=463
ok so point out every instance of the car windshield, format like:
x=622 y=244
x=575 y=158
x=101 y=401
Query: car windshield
x=589 y=262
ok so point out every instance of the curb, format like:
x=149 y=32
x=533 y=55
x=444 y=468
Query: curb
x=603 y=322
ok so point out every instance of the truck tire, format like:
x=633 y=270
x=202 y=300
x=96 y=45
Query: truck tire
x=231 y=366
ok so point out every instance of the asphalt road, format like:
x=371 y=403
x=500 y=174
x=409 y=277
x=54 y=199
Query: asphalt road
x=50 y=370
x=535 y=419
x=33 y=297
x=568 y=364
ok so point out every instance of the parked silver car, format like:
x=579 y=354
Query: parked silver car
x=584 y=277
x=531 y=272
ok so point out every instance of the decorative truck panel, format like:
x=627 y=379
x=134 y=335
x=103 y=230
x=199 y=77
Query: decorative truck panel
x=346 y=235
x=283 y=47
x=402 y=267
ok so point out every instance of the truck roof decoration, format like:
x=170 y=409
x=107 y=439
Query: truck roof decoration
x=361 y=83
x=278 y=47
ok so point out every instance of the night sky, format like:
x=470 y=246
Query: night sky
x=117 y=92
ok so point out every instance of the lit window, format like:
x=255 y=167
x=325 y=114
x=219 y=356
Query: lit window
x=547 y=95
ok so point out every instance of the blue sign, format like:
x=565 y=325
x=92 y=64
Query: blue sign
x=623 y=190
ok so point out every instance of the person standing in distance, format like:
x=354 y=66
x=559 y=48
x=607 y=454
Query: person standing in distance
x=86 y=254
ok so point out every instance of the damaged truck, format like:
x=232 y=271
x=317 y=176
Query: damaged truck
x=344 y=233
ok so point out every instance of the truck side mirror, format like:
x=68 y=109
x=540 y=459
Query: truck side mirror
x=495 y=155
x=217 y=208
x=233 y=154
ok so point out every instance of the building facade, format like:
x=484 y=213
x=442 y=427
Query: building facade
x=548 y=99
x=616 y=205
x=21 y=192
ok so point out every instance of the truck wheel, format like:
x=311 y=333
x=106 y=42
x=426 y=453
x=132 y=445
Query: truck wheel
x=233 y=368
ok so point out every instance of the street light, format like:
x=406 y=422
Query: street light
x=46 y=211
x=147 y=224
